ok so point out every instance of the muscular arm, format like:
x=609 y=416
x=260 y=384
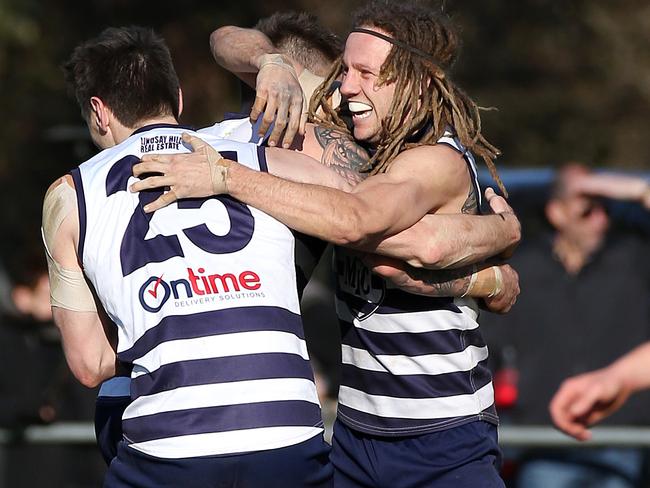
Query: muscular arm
x=86 y=344
x=377 y=207
x=498 y=285
x=87 y=336
x=426 y=244
x=437 y=241
x=441 y=241
x=239 y=50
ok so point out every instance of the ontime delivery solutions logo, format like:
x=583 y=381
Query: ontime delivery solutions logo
x=198 y=288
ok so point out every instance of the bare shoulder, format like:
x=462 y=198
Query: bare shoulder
x=438 y=172
x=432 y=159
x=59 y=207
x=63 y=180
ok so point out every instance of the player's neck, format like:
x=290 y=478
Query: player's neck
x=121 y=133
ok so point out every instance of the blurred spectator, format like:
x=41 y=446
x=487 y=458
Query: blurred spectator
x=35 y=384
x=29 y=343
x=585 y=301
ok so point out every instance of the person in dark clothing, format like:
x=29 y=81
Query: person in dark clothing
x=587 y=287
x=36 y=386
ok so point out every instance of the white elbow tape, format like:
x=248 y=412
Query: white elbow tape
x=498 y=282
x=68 y=288
x=218 y=171
x=309 y=82
x=58 y=204
x=279 y=60
x=472 y=281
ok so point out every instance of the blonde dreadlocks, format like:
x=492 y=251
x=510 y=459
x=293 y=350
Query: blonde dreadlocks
x=424 y=48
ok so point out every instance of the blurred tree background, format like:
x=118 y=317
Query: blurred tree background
x=570 y=80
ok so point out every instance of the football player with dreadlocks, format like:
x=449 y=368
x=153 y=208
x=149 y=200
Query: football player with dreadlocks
x=416 y=400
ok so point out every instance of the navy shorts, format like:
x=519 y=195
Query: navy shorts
x=108 y=424
x=302 y=465
x=459 y=457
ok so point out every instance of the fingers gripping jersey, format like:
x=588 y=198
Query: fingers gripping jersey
x=204 y=296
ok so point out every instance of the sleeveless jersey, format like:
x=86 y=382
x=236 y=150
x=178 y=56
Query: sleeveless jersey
x=237 y=127
x=203 y=294
x=411 y=364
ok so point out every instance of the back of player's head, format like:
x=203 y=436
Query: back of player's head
x=130 y=69
x=302 y=37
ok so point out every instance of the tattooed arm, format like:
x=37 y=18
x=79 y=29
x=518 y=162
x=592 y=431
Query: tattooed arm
x=473 y=238
x=337 y=151
x=498 y=285
x=437 y=241
x=325 y=157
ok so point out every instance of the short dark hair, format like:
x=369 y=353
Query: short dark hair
x=130 y=69
x=302 y=37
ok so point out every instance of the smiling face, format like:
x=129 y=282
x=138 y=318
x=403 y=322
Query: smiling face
x=362 y=60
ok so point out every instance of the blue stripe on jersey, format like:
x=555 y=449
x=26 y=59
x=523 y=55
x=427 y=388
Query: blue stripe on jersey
x=387 y=426
x=216 y=322
x=221 y=370
x=416 y=385
x=452 y=146
x=149 y=127
x=235 y=116
x=261 y=156
x=469 y=159
x=214 y=369
x=221 y=419
x=412 y=344
x=410 y=376
x=119 y=174
x=398 y=301
x=81 y=206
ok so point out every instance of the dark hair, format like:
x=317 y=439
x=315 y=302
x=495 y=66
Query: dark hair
x=302 y=37
x=421 y=73
x=130 y=69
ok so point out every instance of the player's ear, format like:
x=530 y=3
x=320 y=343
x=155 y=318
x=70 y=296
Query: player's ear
x=99 y=115
x=180 y=101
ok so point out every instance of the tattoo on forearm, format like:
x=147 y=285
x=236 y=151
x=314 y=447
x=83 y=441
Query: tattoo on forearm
x=444 y=283
x=471 y=204
x=342 y=154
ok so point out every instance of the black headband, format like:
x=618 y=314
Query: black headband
x=400 y=44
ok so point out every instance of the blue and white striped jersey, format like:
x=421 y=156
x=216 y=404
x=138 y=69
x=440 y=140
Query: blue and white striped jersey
x=411 y=364
x=203 y=293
